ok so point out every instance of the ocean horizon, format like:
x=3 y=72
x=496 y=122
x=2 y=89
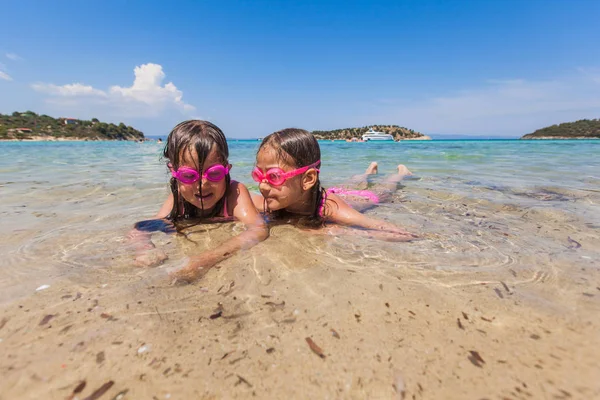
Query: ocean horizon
x=433 y=138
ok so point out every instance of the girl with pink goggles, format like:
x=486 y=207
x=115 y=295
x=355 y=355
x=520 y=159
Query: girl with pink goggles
x=277 y=176
x=214 y=173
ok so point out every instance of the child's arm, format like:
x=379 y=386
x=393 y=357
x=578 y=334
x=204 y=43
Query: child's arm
x=141 y=235
x=256 y=231
x=339 y=212
x=166 y=207
x=259 y=202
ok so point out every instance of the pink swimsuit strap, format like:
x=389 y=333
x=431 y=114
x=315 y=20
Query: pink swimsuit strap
x=360 y=193
x=225 y=213
x=322 y=205
x=372 y=197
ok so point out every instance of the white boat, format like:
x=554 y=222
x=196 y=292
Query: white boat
x=374 y=135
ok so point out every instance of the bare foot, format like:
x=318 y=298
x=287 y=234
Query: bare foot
x=372 y=169
x=402 y=170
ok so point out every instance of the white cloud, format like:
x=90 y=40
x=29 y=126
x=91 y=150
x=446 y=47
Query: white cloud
x=504 y=107
x=13 y=56
x=146 y=97
x=5 y=76
x=71 y=90
x=147 y=89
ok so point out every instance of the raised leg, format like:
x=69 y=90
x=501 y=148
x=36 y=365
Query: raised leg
x=372 y=168
x=360 y=181
x=390 y=183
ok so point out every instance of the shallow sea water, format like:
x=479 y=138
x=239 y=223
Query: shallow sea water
x=482 y=207
x=497 y=219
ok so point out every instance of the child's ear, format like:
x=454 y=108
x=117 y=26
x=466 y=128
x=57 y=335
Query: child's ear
x=309 y=179
x=229 y=166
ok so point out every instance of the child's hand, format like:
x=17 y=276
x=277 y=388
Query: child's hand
x=150 y=258
x=146 y=254
x=401 y=233
x=195 y=269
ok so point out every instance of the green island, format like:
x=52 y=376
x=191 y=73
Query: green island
x=582 y=129
x=31 y=126
x=350 y=134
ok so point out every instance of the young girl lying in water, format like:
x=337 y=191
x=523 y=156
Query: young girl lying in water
x=201 y=190
x=287 y=171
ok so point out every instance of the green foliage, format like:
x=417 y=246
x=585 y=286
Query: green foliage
x=398 y=132
x=44 y=125
x=585 y=128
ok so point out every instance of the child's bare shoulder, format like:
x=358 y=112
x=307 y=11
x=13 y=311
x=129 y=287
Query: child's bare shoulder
x=238 y=192
x=334 y=205
x=237 y=187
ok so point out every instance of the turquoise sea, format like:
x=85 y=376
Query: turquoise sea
x=499 y=298
x=66 y=204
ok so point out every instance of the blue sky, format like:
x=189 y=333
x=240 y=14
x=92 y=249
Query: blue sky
x=485 y=68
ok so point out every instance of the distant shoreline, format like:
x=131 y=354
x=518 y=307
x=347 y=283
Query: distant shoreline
x=68 y=139
x=30 y=126
x=559 y=138
x=582 y=129
x=155 y=140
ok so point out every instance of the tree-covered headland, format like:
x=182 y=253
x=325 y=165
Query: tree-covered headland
x=582 y=129
x=31 y=126
x=398 y=132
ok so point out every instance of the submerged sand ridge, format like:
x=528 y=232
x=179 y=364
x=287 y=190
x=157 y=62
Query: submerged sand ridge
x=500 y=299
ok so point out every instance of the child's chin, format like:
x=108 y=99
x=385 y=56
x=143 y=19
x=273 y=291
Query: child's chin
x=273 y=205
x=206 y=202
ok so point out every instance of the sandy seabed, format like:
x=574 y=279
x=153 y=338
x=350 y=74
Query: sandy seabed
x=244 y=331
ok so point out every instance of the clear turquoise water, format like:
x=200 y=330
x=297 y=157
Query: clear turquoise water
x=482 y=207
x=512 y=163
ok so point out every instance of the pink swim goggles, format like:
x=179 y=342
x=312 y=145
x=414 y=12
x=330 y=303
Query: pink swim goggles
x=277 y=176
x=214 y=173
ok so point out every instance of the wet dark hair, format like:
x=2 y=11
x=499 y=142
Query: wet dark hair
x=298 y=148
x=203 y=137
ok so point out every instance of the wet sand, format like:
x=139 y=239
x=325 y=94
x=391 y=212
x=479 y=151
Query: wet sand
x=499 y=300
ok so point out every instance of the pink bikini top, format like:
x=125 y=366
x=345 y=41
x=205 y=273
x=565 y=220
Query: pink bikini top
x=367 y=194
x=225 y=213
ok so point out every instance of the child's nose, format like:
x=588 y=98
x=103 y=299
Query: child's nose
x=205 y=182
x=264 y=185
